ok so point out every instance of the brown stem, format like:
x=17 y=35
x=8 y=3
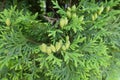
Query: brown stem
x=3 y=4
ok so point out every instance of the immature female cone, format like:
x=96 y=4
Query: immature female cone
x=63 y=47
x=66 y=21
x=69 y=9
x=62 y=23
x=43 y=48
x=81 y=18
x=67 y=45
x=74 y=15
x=68 y=14
x=101 y=10
x=8 y=22
x=74 y=8
x=58 y=45
x=107 y=8
x=48 y=50
x=53 y=48
x=93 y=17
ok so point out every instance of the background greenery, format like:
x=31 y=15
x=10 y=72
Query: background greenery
x=59 y=39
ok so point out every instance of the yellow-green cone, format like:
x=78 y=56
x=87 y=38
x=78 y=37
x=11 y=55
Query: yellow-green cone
x=73 y=8
x=100 y=10
x=68 y=14
x=62 y=22
x=8 y=22
x=58 y=45
x=53 y=48
x=107 y=8
x=63 y=47
x=66 y=21
x=93 y=17
x=48 y=50
x=43 y=48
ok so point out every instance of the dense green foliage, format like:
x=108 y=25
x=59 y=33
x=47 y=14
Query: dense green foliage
x=75 y=42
